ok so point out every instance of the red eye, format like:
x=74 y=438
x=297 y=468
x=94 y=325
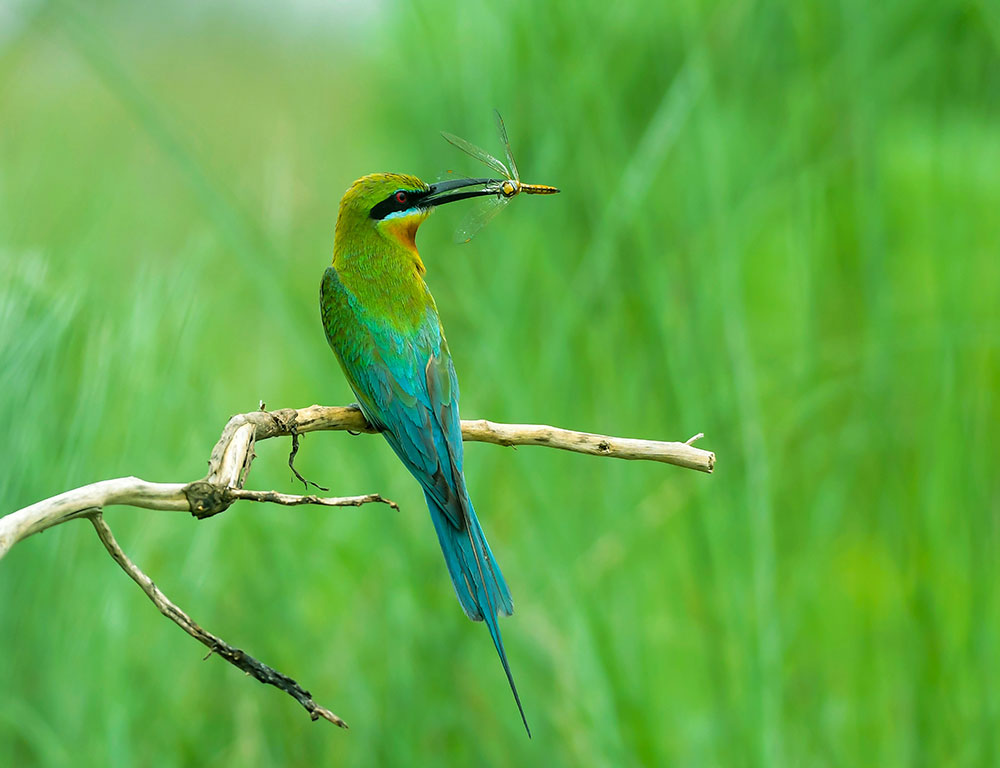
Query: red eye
x=401 y=197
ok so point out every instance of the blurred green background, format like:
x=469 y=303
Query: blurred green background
x=780 y=225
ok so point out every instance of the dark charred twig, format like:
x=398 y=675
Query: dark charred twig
x=235 y=656
x=291 y=464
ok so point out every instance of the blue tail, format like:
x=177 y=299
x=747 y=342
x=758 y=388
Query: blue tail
x=477 y=579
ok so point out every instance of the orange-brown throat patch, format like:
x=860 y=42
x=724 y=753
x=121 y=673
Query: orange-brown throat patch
x=404 y=229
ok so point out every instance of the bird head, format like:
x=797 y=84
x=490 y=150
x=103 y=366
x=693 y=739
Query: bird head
x=394 y=205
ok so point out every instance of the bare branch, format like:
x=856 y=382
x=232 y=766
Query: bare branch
x=201 y=499
x=129 y=491
x=679 y=454
x=228 y=467
x=323 y=417
x=233 y=453
x=293 y=501
x=235 y=656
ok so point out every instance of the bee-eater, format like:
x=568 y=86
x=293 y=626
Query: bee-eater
x=382 y=323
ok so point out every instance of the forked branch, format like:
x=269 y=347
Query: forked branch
x=229 y=464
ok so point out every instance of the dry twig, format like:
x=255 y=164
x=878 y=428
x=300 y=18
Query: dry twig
x=216 y=645
x=229 y=464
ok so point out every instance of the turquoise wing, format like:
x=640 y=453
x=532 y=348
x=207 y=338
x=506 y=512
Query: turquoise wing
x=406 y=386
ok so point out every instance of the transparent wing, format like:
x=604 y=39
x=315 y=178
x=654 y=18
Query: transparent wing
x=479 y=154
x=482 y=213
x=502 y=130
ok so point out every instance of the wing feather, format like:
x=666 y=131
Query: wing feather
x=406 y=385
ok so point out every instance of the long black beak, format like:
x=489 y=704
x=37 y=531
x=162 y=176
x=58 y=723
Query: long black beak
x=453 y=190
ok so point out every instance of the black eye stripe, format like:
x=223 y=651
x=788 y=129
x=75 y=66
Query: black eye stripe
x=391 y=204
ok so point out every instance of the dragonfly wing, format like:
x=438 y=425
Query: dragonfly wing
x=502 y=130
x=478 y=153
x=482 y=213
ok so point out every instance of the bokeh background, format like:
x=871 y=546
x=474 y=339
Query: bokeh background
x=780 y=225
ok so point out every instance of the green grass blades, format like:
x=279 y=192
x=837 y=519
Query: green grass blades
x=777 y=226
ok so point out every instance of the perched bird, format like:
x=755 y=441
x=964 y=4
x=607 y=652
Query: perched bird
x=382 y=323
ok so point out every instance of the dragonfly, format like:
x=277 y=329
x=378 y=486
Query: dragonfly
x=503 y=189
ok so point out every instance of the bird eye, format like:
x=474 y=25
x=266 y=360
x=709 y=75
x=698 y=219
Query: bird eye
x=401 y=197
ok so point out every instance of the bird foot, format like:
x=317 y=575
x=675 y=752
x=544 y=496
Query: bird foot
x=357 y=407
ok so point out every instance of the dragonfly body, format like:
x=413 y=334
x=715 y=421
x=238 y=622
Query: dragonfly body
x=503 y=190
x=510 y=187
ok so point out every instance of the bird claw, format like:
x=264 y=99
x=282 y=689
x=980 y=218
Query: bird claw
x=357 y=407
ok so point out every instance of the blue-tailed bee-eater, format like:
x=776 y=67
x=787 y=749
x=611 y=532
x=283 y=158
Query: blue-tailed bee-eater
x=382 y=323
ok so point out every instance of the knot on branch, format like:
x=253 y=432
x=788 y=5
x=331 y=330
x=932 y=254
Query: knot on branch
x=207 y=499
x=285 y=420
